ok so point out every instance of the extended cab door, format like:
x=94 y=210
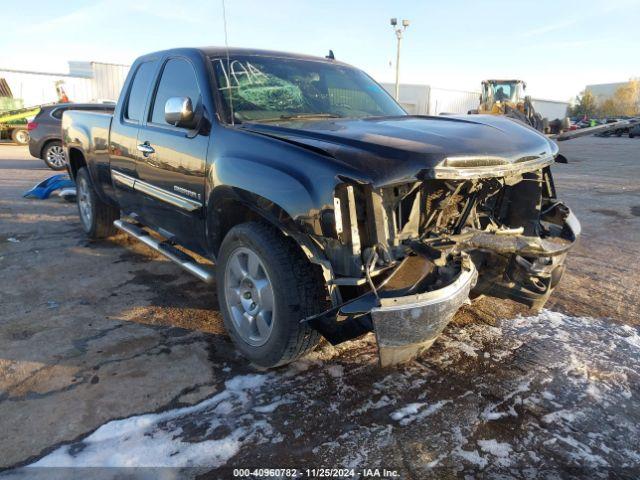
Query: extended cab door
x=123 y=137
x=171 y=163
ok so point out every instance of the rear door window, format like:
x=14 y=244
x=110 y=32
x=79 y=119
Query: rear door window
x=139 y=92
x=178 y=80
x=57 y=113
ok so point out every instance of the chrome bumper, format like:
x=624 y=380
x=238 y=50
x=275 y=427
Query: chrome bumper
x=406 y=326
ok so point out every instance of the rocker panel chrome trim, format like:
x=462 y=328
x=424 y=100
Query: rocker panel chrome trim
x=156 y=192
x=123 y=179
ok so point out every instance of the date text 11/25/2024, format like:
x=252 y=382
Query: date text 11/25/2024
x=315 y=473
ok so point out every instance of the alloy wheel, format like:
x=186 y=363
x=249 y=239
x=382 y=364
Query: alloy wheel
x=55 y=156
x=249 y=296
x=84 y=202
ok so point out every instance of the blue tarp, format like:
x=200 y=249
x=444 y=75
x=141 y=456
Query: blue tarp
x=43 y=189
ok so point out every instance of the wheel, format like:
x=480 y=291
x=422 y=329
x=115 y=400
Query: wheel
x=53 y=156
x=265 y=287
x=631 y=135
x=20 y=136
x=96 y=216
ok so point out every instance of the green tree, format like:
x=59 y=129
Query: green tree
x=585 y=105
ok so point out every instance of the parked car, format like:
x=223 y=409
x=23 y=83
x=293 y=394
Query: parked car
x=320 y=206
x=608 y=133
x=634 y=130
x=45 y=140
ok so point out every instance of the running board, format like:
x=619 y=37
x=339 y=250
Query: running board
x=203 y=272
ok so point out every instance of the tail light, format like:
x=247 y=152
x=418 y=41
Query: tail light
x=32 y=126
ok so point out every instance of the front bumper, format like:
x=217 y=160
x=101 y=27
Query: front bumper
x=407 y=314
x=527 y=269
x=405 y=326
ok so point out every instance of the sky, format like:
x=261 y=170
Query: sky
x=557 y=47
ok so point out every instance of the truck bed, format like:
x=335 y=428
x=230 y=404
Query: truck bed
x=86 y=128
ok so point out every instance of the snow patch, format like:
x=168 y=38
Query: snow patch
x=413 y=412
x=155 y=440
x=472 y=457
x=499 y=449
x=633 y=339
x=336 y=371
x=582 y=453
x=407 y=410
x=271 y=407
x=555 y=417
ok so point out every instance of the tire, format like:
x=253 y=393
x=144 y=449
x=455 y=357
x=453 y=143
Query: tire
x=297 y=291
x=631 y=135
x=20 y=136
x=96 y=216
x=53 y=155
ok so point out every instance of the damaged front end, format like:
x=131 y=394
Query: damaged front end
x=406 y=256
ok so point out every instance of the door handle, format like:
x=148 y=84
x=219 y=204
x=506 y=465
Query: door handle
x=146 y=149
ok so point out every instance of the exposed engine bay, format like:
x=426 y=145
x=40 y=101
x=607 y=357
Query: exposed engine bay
x=407 y=256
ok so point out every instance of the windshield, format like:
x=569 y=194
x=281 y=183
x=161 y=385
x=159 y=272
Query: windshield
x=270 y=89
x=504 y=91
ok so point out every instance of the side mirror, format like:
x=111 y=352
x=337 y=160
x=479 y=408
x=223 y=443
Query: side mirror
x=178 y=111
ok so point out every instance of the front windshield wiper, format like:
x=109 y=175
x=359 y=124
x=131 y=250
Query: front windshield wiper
x=310 y=115
x=299 y=116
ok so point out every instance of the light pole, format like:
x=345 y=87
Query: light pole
x=399 y=31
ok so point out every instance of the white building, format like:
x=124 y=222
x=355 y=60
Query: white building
x=603 y=91
x=85 y=82
x=428 y=100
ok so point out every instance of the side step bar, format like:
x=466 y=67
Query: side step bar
x=203 y=272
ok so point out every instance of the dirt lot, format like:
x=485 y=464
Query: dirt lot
x=92 y=332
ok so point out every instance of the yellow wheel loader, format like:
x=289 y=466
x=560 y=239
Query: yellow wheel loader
x=507 y=97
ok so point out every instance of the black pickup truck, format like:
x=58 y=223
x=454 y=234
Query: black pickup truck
x=316 y=203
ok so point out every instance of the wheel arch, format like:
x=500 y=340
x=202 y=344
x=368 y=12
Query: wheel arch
x=76 y=160
x=231 y=206
x=46 y=143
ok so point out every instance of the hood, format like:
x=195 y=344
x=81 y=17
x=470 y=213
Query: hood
x=384 y=150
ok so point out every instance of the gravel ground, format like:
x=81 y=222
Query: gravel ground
x=113 y=357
